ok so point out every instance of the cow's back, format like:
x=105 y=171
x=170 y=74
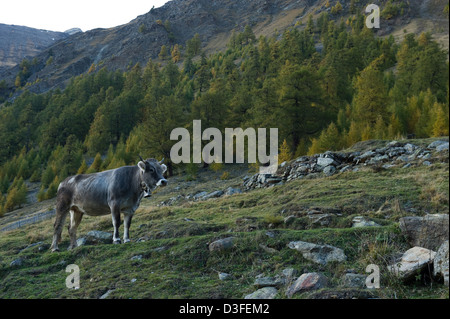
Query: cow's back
x=92 y=193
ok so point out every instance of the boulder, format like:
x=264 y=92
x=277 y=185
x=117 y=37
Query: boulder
x=199 y=195
x=441 y=268
x=98 y=237
x=214 y=194
x=442 y=147
x=412 y=262
x=351 y=280
x=263 y=293
x=222 y=244
x=307 y=282
x=378 y=159
x=324 y=161
x=437 y=143
x=231 y=191
x=361 y=221
x=320 y=254
x=428 y=232
x=322 y=219
x=329 y=170
x=269 y=282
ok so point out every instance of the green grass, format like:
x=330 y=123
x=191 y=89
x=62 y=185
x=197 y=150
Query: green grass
x=176 y=261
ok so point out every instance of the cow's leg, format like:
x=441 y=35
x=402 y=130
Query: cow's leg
x=115 y=212
x=75 y=219
x=62 y=209
x=126 y=226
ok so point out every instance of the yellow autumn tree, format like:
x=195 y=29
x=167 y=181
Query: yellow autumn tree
x=285 y=153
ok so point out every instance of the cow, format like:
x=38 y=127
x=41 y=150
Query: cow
x=108 y=192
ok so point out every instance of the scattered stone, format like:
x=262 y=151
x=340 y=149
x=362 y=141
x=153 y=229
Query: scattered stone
x=290 y=219
x=361 y=221
x=321 y=254
x=351 y=280
x=133 y=280
x=407 y=165
x=32 y=245
x=436 y=144
x=412 y=262
x=98 y=237
x=160 y=249
x=224 y=276
x=441 y=263
x=222 y=244
x=323 y=219
x=378 y=159
x=409 y=147
x=426 y=163
x=307 y=282
x=428 y=232
x=214 y=194
x=270 y=234
x=442 y=147
x=329 y=170
x=324 y=161
x=263 y=293
x=81 y=241
x=137 y=257
x=289 y=274
x=17 y=262
x=345 y=168
x=268 y=249
x=106 y=294
x=199 y=195
x=231 y=191
x=269 y=282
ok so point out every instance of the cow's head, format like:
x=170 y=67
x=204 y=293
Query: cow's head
x=151 y=175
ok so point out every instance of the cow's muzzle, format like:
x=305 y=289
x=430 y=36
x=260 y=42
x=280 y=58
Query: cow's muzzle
x=162 y=182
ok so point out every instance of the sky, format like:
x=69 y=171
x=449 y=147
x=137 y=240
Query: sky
x=61 y=15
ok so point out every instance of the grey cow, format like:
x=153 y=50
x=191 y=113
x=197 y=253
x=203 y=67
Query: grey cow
x=109 y=192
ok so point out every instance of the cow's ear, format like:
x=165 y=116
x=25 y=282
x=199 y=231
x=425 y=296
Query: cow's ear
x=164 y=167
x=142 y=166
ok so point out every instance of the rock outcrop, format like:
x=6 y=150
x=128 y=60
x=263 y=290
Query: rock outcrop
x=393 y=154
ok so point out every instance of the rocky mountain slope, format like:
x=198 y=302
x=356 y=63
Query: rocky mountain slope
x=18 y=42
x=179 y=20
x=310 y=237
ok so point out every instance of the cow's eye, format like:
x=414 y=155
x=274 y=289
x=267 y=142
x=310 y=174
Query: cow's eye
x=151 y=170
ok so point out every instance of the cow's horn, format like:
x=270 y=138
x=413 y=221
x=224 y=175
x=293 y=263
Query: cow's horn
x=141 y=158
x=160 y=162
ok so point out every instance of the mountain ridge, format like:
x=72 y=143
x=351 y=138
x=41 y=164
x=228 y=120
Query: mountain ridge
x=19 y=42
x=177 y=21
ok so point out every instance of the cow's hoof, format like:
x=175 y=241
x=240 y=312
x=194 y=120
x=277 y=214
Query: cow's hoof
x=55 y=250
x=126 y=241
x=115 y=242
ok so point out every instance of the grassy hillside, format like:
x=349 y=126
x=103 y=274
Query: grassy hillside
x=169 y=256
